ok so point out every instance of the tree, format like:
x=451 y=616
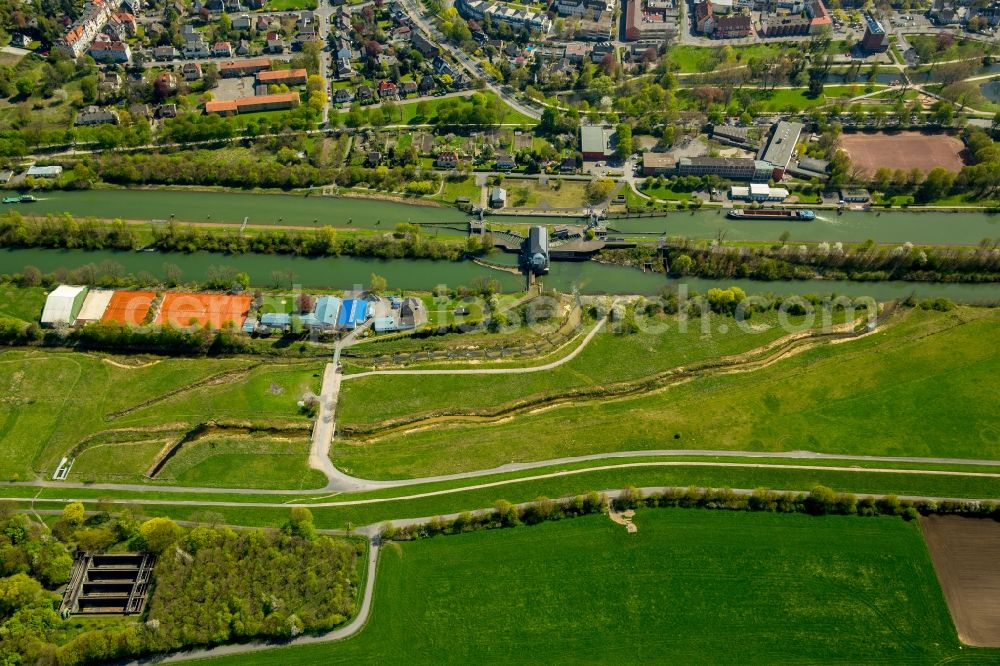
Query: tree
x=159 y=534
x=937 y=184
x=300 y=524
x=74 y=513
x=25 y=86
x=624 y=148
x=88 y=87
x=378 y=284
x=682 y=264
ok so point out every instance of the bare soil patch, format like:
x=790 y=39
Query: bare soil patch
x=966 y=555
x=903 y=150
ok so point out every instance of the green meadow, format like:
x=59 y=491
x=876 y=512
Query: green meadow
x=689 y=587
x=914 y=388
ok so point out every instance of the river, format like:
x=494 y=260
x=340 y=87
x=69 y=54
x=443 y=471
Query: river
x=343 y=272
x=886 y=227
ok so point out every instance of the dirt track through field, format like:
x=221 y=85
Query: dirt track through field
x=966 y=555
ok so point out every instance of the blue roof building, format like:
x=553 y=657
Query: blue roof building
x=249 y=325
x=353 y=312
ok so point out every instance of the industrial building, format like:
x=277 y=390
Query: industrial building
x=353 y=313
x=781 y=147
x=597 y=142
x=875 y=39
x=62 y=305
x=733 y=168
x=536 y=250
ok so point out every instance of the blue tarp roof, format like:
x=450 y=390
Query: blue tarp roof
x=249 y=325
x=353 y=312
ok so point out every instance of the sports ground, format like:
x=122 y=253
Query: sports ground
x=903 y=150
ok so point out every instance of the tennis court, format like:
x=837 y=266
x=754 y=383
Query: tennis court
x=216 y=310
x=129 y=307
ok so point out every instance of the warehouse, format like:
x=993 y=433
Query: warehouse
x=781 y=147
x=63 y=305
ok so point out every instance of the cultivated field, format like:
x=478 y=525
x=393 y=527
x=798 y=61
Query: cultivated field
x=966 y=555
x=690 y=587
x=878 y=395
x=903 y=150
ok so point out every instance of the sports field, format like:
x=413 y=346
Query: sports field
x=878 y=395
x=689 y=587
x=903 y=150
x=129 y=307
x=216 y=310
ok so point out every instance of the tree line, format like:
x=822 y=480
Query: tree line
x=866 y=261
x=818 y=502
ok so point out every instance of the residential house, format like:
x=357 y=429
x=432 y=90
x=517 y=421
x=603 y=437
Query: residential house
x=498 y=197
x=107 y=51
x=408 y=88
x=242 y=22
x=387 y=89
x=166 y=111
x=274 y=43
x=428 y=48
x=81 y=33
x=243 y=48
x=222 y=50
x=373 y=158
x=344 y=69
x=342 y=95
x=364 y=93
x=92 y=115
x=447 y=159
x=139 y=111
x=505 y=162
x=191 y=71
x=426 y=84
x=165 y=53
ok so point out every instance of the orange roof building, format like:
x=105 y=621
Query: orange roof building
x=293 y=77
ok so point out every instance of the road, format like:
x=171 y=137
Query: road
x=470 y=66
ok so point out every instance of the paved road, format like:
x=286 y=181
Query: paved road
x=514 y=467
x=464 y=61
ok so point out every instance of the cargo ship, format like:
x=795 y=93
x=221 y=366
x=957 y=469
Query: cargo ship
x=771 y=214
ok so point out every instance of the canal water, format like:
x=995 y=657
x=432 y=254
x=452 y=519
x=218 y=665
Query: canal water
x=885 y=227
x=343 y=272
x=991 y=90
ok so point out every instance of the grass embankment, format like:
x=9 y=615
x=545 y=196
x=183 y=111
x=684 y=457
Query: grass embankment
x=879 y=395
x=780 y=588
x=608 y=358
x=55 y=401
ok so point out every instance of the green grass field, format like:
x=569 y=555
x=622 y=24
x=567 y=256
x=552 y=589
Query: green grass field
x=689 y=587
x=24 y=303
x=878 y=395
x=454 y=189
x=54 y=401
x=608 y=358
